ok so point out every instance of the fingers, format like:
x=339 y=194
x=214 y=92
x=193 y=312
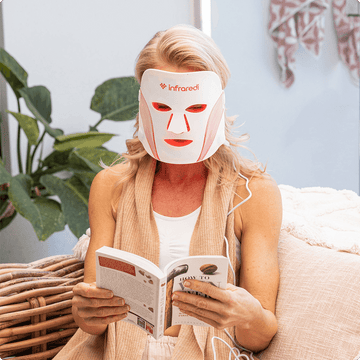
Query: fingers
x=191 y=302
x=93 y=321
x=81 y=302
x=209 y=319
x=98 y=306
x=102 y=312
x=92 y=291
x=208 y=289
x=204 y=309
x=214 y=310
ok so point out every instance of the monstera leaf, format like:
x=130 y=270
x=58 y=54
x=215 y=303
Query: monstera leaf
x=38 y=101
x=73 y=202
x=117 y=99
x=13 y=73
x=81 y=140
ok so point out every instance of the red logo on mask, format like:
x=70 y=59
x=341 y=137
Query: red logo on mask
x=180 y=88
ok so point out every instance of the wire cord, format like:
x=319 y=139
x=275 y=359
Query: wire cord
x=236 y=349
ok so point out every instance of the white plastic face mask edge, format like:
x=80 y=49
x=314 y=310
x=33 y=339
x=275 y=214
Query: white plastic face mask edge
x=181 y=115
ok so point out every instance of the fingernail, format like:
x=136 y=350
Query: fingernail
x=175 y=297
x=187 y=283
x=128 y=308
x=121 y=302
x=175 y=303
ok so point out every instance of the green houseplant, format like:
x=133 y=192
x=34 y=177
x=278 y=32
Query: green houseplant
x=34 y=192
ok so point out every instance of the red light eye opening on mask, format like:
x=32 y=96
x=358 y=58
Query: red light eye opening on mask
x=196 y=108
x=161 y=107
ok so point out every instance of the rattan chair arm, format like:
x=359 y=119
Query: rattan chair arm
x=61 y=264
x=75 y=274
x=72 y=325
x=12 y=338
x=20 y=280
x=68 y=269
x=37 y=311
x=36 y=284
x=14 y=266
x=38 y=341
x=60 y=297
x=63 y=320
x=73 y=281
x=21 y=273
x=39 y=264
x=60 y=313
x=7 y=324
x=49 y=354
x=34 y=293
x=25 y=305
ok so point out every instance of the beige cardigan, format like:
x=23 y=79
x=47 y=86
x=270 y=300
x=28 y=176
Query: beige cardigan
x=136 y=232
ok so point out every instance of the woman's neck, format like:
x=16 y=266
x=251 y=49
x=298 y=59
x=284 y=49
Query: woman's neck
x=177 y=174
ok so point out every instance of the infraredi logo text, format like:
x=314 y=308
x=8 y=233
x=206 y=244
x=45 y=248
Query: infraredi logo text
x=180 y=88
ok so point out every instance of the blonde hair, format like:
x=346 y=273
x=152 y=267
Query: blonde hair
x=184 y=46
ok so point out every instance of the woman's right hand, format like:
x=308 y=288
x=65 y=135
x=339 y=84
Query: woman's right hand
x=96 y=307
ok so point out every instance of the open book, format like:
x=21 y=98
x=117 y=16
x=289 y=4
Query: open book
x=148 y=290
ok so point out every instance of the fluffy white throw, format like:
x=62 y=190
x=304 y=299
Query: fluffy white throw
x=323 y=217
x=319 y=216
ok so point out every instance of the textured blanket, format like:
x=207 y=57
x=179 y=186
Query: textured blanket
x=323 y=217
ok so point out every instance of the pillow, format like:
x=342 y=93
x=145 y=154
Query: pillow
x=318 y=304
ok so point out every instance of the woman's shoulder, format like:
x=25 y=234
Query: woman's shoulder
x=106 y=188
x=264 y=204
x=109 y=175
x=261 y=187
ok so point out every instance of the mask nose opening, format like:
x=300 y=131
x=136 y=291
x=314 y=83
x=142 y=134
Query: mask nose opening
x=178 y=124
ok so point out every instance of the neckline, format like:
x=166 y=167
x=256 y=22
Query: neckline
x=177 y=218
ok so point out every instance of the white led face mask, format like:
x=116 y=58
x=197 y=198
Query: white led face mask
x=181 y=117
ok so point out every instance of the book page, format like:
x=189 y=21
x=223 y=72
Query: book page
x=211 y=269
x=139 y=288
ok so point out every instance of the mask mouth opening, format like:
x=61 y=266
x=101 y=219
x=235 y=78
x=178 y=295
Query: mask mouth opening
x=178 y=142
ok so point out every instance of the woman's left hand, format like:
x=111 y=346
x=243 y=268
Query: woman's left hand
x=233 y=306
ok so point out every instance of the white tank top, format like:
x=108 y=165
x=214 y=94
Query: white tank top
x=175 y=235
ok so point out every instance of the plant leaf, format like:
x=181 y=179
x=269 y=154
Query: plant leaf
x=18 y=195
x=13 y=73
x=6 y=221
x=94 y=155
x=75 y=183
x=29 y=125
x=82 y=164
x=33 y=98
x=78 y=165
x=5 y=177
x=40 y=97
x=81 y=140
x=73 y=204
x=117 y=99
x=86 y=177
x=25 y=181
x=51 y=215
x=57 y=158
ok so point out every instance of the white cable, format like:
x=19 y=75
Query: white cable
x=226 y=240
x=248 y=198
x=238 y=356
x=239 y=346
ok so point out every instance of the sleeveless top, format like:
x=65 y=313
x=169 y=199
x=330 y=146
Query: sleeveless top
x=175 y=235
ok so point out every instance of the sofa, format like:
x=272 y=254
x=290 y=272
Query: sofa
x=318 y=302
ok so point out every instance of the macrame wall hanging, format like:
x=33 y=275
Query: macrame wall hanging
x=294 y=22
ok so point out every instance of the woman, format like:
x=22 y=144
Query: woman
x=162 y=178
